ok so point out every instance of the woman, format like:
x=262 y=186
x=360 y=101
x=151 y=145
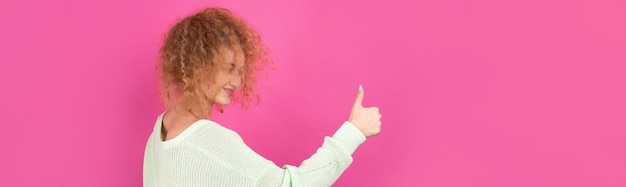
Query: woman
x=207 y=60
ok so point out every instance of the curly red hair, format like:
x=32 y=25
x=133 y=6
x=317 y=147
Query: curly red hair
x=190 y=58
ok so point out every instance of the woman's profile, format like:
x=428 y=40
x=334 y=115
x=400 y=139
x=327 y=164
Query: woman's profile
x=206 y=61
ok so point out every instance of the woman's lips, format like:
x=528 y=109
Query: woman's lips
x=229 y=91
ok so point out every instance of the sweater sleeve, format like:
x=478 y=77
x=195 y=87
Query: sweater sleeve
x=329 y=161
x=321 y=169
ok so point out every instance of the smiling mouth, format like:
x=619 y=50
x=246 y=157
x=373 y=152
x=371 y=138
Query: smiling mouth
x=229 y=91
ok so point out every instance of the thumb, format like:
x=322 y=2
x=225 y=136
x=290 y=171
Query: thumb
x=358 y=103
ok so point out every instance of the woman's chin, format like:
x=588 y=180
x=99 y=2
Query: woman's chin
x=223 y=102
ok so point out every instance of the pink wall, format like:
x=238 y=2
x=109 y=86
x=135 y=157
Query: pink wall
x=473 y=93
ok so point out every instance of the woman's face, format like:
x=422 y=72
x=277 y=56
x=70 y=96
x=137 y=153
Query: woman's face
x=230 y=75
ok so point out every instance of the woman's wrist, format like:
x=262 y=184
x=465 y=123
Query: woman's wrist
x=349 y=136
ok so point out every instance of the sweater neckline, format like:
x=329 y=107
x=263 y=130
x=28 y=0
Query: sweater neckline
x=182 y=136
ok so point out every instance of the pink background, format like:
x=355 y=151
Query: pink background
x=473 y=92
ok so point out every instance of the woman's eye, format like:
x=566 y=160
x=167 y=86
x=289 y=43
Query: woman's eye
x=229 y=69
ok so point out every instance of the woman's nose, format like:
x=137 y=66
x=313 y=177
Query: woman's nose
x=236 y=80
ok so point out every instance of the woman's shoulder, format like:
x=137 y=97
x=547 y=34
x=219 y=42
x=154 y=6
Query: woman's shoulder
x=203 y=134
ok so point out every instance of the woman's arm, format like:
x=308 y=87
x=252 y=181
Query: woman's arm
x=334 y=156
x=225 y=159
x=326 y=165
x=218 y=156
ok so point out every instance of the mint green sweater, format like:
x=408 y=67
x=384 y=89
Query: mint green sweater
x=208 y=154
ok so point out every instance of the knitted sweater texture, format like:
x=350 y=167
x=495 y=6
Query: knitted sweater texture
x=208 y=154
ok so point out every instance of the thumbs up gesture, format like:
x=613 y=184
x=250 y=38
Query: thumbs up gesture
x=366 y=119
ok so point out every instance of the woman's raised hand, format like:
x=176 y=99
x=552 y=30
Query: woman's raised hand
x=366 y=119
